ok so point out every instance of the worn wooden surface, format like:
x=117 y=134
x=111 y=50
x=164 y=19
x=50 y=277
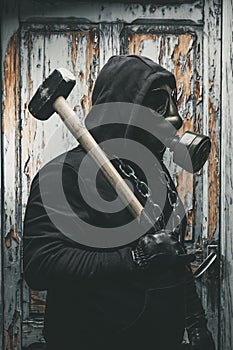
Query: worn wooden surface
x=226 y=253
x=41 y=141
x=212 y=123
x=186 y=39
x=176 y=50
x=12 y=195
x=96 y=12
x=10 y=180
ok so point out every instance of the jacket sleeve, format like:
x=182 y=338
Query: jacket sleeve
x=49 y=253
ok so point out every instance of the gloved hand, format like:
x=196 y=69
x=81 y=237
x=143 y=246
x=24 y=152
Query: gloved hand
x=200 y=338
x=161 y=249
x=196 y=324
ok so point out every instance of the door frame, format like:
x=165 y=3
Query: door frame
x=217 y=44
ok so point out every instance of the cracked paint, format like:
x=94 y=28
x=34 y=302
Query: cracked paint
x=11 y=142
x=183 y=65
x=11 y=235
x=213 y=168
x=37 y=302
x=175 y=51
x=10 y=88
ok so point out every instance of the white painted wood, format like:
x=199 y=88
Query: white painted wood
x=109 y=41
x=10 y=306
x=176 y=50
x=111 y=12
x=67 y=41
x=209 y=285
x=226 y=334
x=41 y=52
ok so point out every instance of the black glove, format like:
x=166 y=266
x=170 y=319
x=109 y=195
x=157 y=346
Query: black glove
x=196 y=324
x=200 y=338
x=161 y=249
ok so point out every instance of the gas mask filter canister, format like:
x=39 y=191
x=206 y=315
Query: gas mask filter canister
x=191 y=150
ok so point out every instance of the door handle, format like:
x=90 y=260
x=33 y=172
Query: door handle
x=212 y=255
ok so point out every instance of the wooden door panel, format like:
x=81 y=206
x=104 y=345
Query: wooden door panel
x=180 y=49
x=177 y=50
x=42 y=51
x=11 y=218
x=184 y=38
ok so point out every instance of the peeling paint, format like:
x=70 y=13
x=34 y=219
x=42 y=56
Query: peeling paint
x=91 y=50
x=81 y=75
x=10 y=87
x=136 y=41
x=74 y=52
x=226 y=214
x=78 y=53
x=37 y=303
x=184 y=179
x=188 y=231
x=11 y=335
x=188 y=125
x=85 y=104
x=11 y=341
x=185 y=187
x=11 y=235
x=182 y=65
x=213 y=189
x=163 y=48
x=175 y=51
x=197 y=92
x=11 y=142
x=184 y=45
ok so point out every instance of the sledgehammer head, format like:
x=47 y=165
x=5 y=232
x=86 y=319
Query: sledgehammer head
x=59 y=83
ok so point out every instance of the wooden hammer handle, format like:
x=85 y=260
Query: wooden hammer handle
x=79 y=131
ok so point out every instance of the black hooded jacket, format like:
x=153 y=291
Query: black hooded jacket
x=94 y=291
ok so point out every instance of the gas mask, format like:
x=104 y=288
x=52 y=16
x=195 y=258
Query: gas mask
x=190 y=151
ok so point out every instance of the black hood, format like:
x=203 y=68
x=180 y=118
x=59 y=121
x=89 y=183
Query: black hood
x=127 y=80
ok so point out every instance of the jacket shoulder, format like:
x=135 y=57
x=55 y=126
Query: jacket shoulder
x=71 y=158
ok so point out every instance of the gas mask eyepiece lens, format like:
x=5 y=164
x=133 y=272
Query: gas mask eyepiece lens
x=163 y=101
x=158 y=100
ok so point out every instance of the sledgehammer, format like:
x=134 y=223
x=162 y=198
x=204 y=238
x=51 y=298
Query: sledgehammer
x=51 y=97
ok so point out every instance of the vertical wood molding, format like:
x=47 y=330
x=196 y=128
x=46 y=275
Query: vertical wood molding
x=226 y=330
x=10 y=183
x=211 y=172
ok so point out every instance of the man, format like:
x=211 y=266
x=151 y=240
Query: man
x=131 y=295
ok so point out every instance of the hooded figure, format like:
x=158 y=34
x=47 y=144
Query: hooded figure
x=136 y=291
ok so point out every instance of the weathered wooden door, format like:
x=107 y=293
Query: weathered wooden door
x=184 y=37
